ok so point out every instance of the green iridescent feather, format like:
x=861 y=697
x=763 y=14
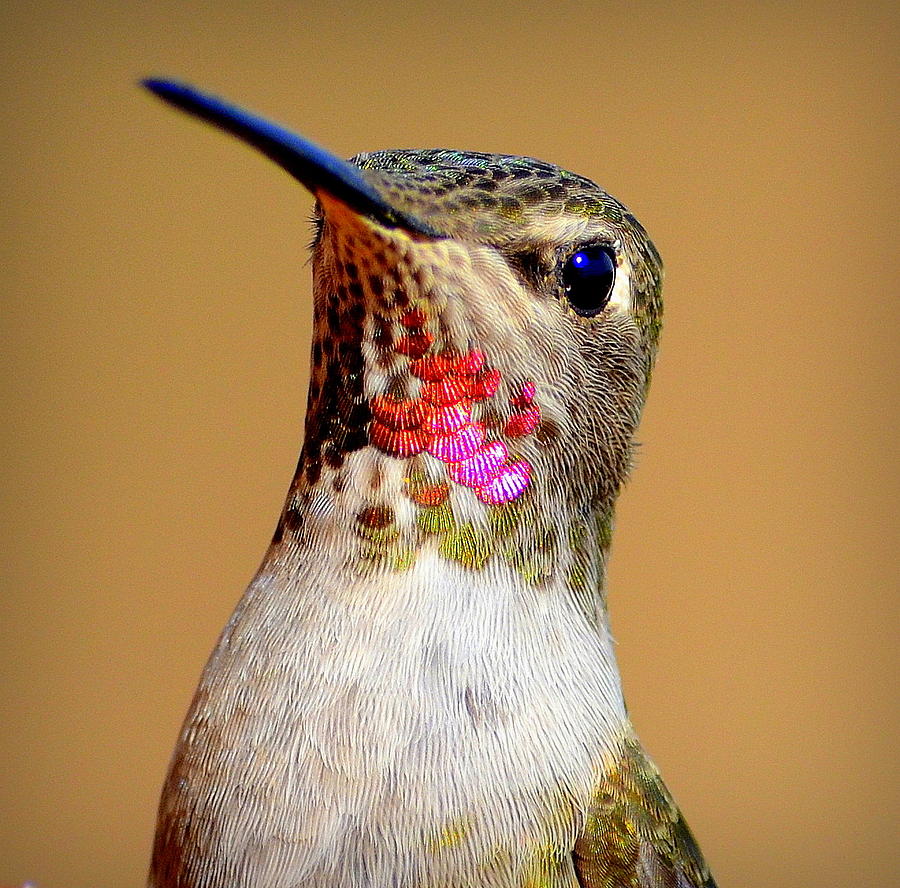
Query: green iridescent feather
x=635 y=836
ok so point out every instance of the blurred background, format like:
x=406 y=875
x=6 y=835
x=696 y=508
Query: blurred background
x=155 y=317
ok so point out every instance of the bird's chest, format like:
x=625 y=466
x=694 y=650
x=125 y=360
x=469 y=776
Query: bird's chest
x=421 y=741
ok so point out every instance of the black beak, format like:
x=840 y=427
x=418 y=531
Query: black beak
x=319 y=170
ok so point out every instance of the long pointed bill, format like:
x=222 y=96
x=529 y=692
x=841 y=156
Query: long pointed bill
x=319 y=170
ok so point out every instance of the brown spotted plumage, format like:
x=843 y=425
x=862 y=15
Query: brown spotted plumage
x=419 y=688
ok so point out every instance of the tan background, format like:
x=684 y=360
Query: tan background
x=155 y=338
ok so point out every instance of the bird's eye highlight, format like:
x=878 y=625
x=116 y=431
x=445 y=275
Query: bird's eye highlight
x=588 y=278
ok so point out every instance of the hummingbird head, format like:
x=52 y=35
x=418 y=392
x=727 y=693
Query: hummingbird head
x=484 y=332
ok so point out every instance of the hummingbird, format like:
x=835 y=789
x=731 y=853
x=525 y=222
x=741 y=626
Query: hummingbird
x=419 y=687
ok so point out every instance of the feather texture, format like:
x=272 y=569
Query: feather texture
x=635 y=836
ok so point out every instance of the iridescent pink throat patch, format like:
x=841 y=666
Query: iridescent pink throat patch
x=440 y=420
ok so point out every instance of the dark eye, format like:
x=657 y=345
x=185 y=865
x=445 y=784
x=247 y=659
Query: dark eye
x=588 y=278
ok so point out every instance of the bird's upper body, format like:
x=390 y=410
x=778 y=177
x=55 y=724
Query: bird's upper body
x=419 y=689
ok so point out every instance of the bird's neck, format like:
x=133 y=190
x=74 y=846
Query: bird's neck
x=533 y=545
x=450 y=455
